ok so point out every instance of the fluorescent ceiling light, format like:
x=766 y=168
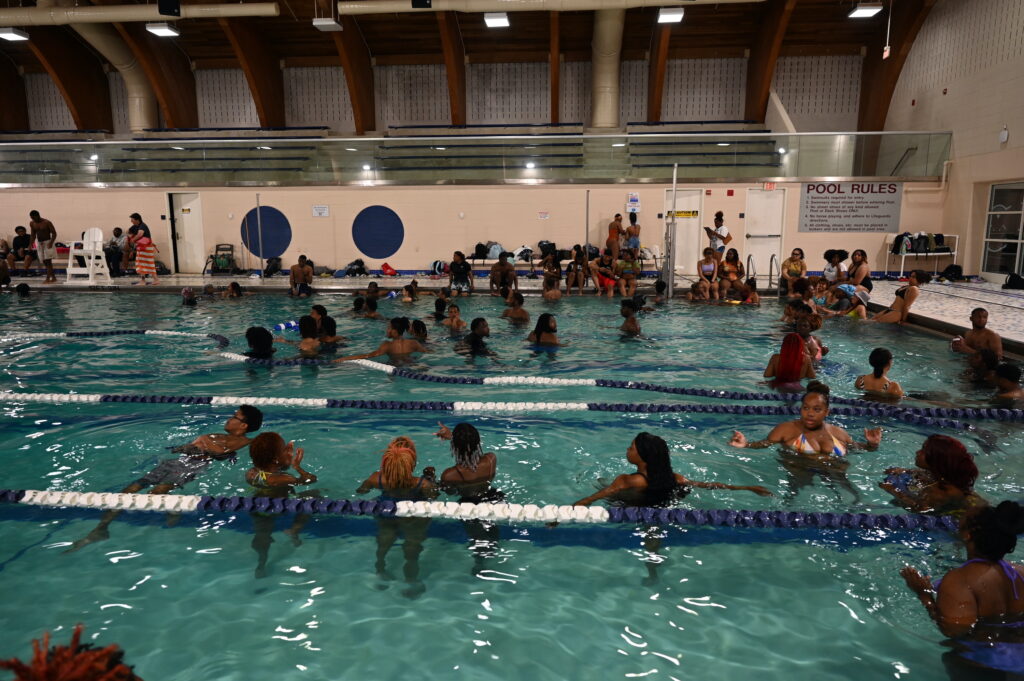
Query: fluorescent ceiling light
x=13 y=34
x=366 y=167
x=496 y=19
x=440 y=148
x=178 y=148
x=265 y=148
x=93 y=157
x=863 y=10
x=670 y=15
x=163 y=29
x=782 y=150
x=723 y=144
x=531 y=164
x=327 y=24
x=619 y=144
x=349 y=149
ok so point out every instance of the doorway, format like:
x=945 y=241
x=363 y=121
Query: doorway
x=688 y=229
x=765 y=219
x=187 y=244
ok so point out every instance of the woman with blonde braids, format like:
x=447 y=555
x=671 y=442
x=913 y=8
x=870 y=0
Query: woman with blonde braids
x=396 y=482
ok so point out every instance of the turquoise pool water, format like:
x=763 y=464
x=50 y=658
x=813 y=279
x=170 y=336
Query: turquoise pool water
x=554 y=603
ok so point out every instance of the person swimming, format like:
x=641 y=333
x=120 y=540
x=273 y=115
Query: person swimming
x=396 y=347
x=942 y=482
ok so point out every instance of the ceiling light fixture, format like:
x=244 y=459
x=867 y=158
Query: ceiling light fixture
x=723 y=144
x=265 y=148
x=93 y=157
x=163 y=29
x=864 y=10
x=619 y=144
x=327 y=24
x=440 y=148
x=670 y=15
x=13 y=34
x=782 y=150
x=531 y=165
x=178 y=148
x=366 y=167
x=496 y=20
x=350 y=149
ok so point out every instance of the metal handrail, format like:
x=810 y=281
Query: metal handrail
x=773 y=267
x=751 y=271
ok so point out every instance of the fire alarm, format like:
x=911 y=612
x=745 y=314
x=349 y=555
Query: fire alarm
x=944 y=90
x=707 y=192
x=728 y=192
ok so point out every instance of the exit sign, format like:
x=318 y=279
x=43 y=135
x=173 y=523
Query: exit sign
x=769 y=186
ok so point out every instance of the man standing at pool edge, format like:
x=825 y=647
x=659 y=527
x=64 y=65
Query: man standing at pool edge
x=45 y=235
x=194 y=458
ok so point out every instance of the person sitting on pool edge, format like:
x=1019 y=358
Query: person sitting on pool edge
x=942 y=482
x=194 y=458
x=396 y=347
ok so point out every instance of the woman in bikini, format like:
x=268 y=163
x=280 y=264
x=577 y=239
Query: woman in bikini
x=816 y=447
x=397 y=483
x=790 y=365
x=980 y=605
x=627 y=270
x=730 y=273
x=941 y=483
x=707 y=274
x=860 y=272
x=878 y=384
x=470 y=478
x=905 y=297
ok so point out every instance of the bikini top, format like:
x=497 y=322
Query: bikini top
x=804 y=446
x=707 y=267
x=414 y=494
x=902 y=292
x=859 y=384
x=1008 y=570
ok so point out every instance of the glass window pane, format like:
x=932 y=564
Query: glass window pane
x=1000 y=256
x=1007 y=196
x=1003 y=226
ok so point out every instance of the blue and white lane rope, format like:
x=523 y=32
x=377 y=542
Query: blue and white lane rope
x=997 y=414
x=222 y=342
x=476 y=407
x=184 y=503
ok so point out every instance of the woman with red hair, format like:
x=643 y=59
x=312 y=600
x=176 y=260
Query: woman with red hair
x=790 y=365
x=942 y=483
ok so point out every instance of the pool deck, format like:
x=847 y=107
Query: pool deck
x=941 y=307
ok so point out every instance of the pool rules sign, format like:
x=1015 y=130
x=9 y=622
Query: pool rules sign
x=850 y=206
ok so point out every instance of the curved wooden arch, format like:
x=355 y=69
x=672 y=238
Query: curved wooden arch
x=78 y=75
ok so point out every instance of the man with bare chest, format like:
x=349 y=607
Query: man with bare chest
x=45 y=235
x=979 y=338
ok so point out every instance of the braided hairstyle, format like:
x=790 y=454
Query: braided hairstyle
x=466 y=446
x=397 y=464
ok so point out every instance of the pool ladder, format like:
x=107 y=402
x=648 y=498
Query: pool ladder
x=775 y=274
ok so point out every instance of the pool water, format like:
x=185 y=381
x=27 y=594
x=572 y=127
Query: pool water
x=552 y=603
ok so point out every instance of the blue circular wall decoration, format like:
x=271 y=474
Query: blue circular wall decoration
x=378 y=232
x=276 y=232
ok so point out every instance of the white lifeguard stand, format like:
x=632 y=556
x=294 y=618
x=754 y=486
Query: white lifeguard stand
x=90 y=248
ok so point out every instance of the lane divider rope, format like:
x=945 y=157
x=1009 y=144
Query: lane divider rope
x=494 y=512
x=222 y=342
x=467 y=406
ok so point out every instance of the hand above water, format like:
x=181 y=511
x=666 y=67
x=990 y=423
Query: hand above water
x=444 y=432
x=873 y=436
x=738 y=439
x=917 y=582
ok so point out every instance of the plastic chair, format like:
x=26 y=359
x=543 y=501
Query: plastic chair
x=90 y=249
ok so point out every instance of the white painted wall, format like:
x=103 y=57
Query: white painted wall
x=411 y=95
x=508 y=93
x=704 y=89
x=821 y=94
x=224 y=99
x=318 y=96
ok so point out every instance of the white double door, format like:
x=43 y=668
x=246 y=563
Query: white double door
x=764 y=221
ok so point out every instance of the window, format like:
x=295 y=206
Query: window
x=1004 y=241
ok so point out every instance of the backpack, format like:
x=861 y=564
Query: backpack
x=439 y=267
x=901 y=244
x=564 y=254
x=524 y=253
x=480 y=251
x=546 y=248
x=592 y=252
x=953 y=273
x=388 y=270
x=494 y=250
x=354 y=269
x=273 y=267
x=1014 y=281
x=919 y=244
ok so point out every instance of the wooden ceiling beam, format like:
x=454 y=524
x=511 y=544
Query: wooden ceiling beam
x=262 y=70
x=355 y=59
x=879 y=76
x=554 y=65
x=78 y=75
x=169 y=73
x=764 y=55
x=657 y=65
x=14 y=111
x=455 y=64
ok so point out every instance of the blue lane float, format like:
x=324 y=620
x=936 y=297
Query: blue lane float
x=510 y=513
x=222 y=342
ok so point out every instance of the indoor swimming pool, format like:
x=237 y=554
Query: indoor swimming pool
x=180 y=596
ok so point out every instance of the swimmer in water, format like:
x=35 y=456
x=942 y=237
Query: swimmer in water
x=545 y=332
x=878 y=383
x=397 y=346
x=309 y=346
x=941 y=483
x=418 y=330
x=630 y=327
x=454 y=321
x=516 y=314
x=370 y=307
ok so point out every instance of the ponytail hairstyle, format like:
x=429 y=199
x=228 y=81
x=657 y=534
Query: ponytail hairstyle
x=949 y=460
x=994 y=530
x=817 y=388
x=791 y=359
x=397 y=464
x=661 y=480
x=879 y=359
x=466 y=446
x=543 y=325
